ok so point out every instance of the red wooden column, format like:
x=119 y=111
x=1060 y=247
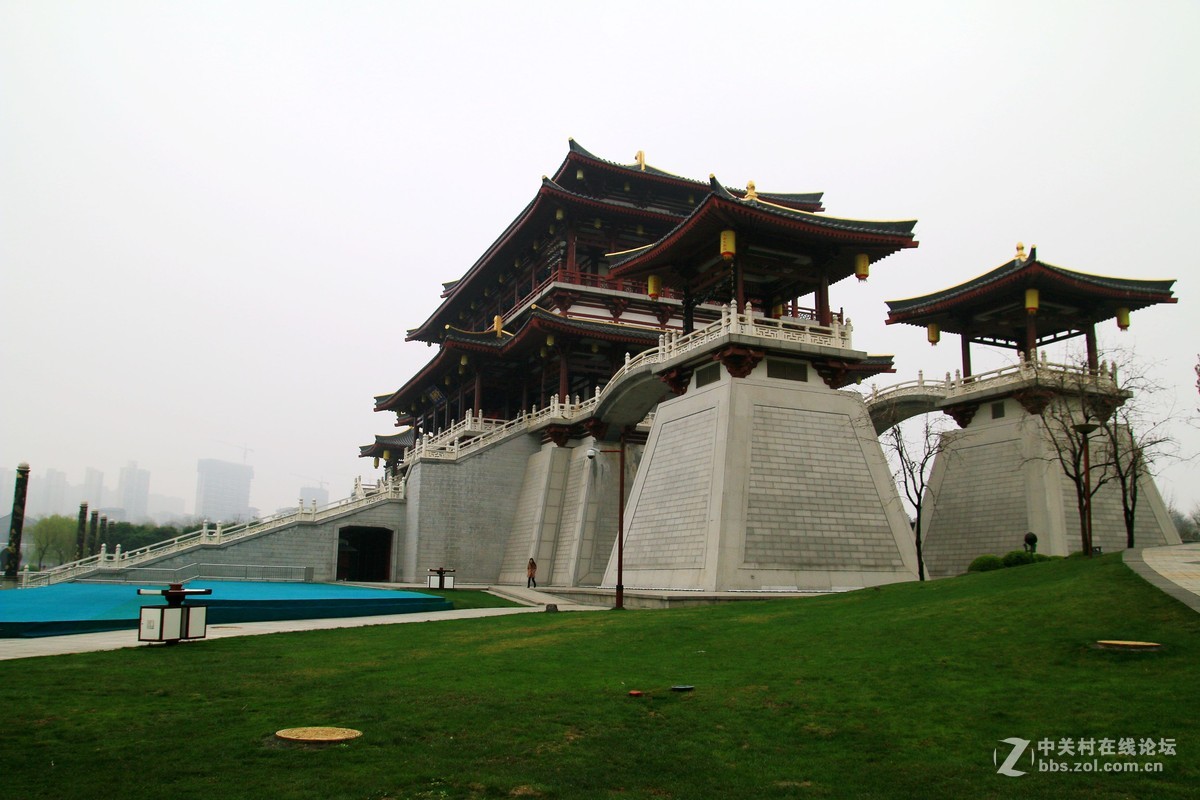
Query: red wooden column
x=966 y=354
x=564 y=376
x=823 y=315
x=571 y=238
x=1093 y=355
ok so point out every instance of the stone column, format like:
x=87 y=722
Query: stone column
x=18 y=521
x=81 y=532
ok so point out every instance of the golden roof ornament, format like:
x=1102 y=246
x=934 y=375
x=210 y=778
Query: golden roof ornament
x=641 y=160
x=1020 y=251
x=751 y=191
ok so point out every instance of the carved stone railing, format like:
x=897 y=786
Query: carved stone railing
x=474 y=433
x=1103 y=379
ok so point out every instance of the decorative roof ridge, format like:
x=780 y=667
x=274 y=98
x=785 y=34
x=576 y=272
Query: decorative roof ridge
x=639 y=167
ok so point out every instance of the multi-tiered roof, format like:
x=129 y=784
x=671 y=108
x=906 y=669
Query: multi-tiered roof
x=603 y=260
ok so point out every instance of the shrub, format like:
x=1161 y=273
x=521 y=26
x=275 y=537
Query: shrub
x=985 y=564
x=1017 y=558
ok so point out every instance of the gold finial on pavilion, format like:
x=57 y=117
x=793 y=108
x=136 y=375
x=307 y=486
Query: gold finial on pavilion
x=641 y=160
x=1020 y=251
x=751 y=192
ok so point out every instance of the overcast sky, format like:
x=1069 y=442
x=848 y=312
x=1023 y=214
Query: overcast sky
x=218 y=219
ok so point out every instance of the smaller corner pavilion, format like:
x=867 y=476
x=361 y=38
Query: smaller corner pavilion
x=1028 y=303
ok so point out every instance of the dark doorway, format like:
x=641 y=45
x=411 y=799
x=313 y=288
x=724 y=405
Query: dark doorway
x=364 y=554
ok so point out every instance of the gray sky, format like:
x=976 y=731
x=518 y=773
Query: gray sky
x=217 y=219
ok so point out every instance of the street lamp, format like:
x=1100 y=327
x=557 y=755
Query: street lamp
x=591 y=454
x=1084 y=429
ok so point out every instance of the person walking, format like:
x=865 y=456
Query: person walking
x=531 y=574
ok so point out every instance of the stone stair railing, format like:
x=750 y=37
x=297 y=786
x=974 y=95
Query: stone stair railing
x=211 y=536
x=473 y=433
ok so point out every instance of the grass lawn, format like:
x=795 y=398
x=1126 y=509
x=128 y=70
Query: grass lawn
x=904 y=691
x=470 y=598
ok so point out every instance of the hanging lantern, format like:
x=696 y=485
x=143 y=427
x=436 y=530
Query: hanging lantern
x=579 y=174
x=862 y=266
x=653 y=287
x=728 y=245
x=387 y=455
x=777 y=311
x=498 y=325
x=1123 y=318
x=376 y=462
x=1031 y=301
x=463 y=360
x=558 y=214
x=934 y=334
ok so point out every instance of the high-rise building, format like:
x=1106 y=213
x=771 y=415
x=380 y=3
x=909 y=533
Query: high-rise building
x=314 y=494
x=223 y=490
x=93 y=487
x=133 y=492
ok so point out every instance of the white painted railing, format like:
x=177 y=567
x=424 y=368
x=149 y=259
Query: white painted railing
x=212 y=536
x=1025 y=371
x=473 y=433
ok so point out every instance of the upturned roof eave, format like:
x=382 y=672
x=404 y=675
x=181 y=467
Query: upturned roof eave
x=720 y=203
x=1034 y=274
x=549 y=190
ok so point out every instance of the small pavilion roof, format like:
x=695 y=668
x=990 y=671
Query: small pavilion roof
x=392 y=442
x=992 y=306
x=781 y=245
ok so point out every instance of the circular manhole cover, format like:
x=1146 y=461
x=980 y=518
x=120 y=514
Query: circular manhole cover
x=318 y=735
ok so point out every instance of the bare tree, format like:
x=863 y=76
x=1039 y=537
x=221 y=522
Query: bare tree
x=912 y=454
x=1114 y=410
x=1134 y=443
x=1074 y=404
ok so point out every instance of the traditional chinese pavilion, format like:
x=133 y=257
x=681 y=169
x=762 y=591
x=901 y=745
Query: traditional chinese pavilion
x=999 y=477
x=607 y=272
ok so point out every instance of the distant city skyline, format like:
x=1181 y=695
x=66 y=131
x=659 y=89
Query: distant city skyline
x=51 y=491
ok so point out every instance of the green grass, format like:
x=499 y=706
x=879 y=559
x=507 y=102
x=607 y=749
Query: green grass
x=470 y=598
x=903 y=691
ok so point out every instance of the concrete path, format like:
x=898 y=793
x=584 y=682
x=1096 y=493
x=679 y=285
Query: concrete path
x=1175 y=569
x=535 y=601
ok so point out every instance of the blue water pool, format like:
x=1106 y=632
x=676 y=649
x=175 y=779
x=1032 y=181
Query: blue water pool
x=89 y=607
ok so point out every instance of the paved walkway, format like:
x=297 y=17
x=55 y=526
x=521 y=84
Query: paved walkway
x=535 y=602
x=1175 y=569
